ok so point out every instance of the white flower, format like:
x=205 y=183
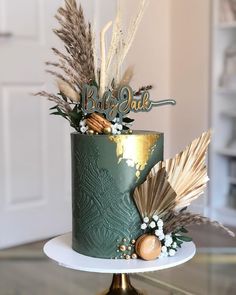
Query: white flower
x=160 y=223
x=146 y=219
x=168 y=240
x=172 y=252
x=161 y=237
x=116 y=120
x=143 y=226
x=158 y=232
x=130 y=163
x=168 y=243
x=152 y=224
x=116 y=128
x=119 y=127
x=174 y=245
x=155 y=217
x=163 y=255
x=164 y=249
x=82 y=123
x=83 y=129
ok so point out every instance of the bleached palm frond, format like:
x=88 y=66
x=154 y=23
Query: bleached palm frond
x=173 y=184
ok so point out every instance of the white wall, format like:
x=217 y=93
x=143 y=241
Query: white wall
x=150 y=54
x=171 y=51
x=190 y=68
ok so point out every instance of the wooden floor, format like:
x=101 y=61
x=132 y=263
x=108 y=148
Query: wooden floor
x=26 y=271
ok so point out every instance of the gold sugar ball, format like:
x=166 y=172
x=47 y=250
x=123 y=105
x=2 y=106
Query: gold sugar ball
x=127 y=257
x=134 y=256
x=130 y=131
x=129 y=248
x=96 y=133
x=133 y=242
x=123 y=248
x=124 y=240
x=90 y=132
x=107 y=130
x=148 y=247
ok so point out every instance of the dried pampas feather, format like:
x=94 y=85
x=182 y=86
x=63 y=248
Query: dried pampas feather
x=173 y=184
x=78 y=40
x=133 y=30
x=121 y=43
x=69 y=92
x=62 y=104
x=178 y=220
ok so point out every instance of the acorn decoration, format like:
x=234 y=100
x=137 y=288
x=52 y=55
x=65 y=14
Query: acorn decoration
x=148 y=247
x=98 y=123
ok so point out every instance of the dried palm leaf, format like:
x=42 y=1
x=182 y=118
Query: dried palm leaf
x=173 y=184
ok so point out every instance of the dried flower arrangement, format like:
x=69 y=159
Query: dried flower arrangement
x=163 y=198
x=80 y=66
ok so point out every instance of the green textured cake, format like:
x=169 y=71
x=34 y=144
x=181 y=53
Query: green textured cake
x=106 y=169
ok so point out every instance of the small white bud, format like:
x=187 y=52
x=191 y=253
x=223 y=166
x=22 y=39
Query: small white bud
x=152 y=224
x=160 y=223
x=146 y=219
x=163 y=249
x=143 y=226
x=155 y=217
x=158 y=232
x=161 y=237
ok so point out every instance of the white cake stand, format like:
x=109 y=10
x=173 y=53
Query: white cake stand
x=59 y=249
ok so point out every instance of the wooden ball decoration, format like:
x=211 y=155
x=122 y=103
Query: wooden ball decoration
x=148 y=247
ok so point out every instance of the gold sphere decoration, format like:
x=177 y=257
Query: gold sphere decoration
x=124 y=240
x=133 y=242
x=107 y=130
x=130 y=131
x=123 y=248
x=134 y=256
x=129 y=248
x=148 y=247
x=90 y=132
x=127 y=257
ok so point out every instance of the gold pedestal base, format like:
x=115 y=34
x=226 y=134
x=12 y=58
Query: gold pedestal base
x=121 y=286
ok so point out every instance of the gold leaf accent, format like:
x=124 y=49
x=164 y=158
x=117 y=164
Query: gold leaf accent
x=135 y=149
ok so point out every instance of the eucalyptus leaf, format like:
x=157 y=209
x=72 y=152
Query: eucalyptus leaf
x=183 y=230
x=128 y=120
x=53 y=108
x=185 y=238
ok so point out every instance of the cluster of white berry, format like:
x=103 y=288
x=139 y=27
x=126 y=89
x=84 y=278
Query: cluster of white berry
x=83 y=126
x=169 y=247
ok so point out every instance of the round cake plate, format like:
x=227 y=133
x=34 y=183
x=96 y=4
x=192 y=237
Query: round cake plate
x=59 y=250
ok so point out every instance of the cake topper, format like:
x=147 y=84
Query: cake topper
x=120 y=105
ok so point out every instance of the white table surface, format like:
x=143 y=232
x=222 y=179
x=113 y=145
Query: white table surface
x=59 y=249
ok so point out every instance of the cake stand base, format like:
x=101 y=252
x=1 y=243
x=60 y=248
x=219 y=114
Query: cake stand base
x=121 y=285
x=59 y=249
